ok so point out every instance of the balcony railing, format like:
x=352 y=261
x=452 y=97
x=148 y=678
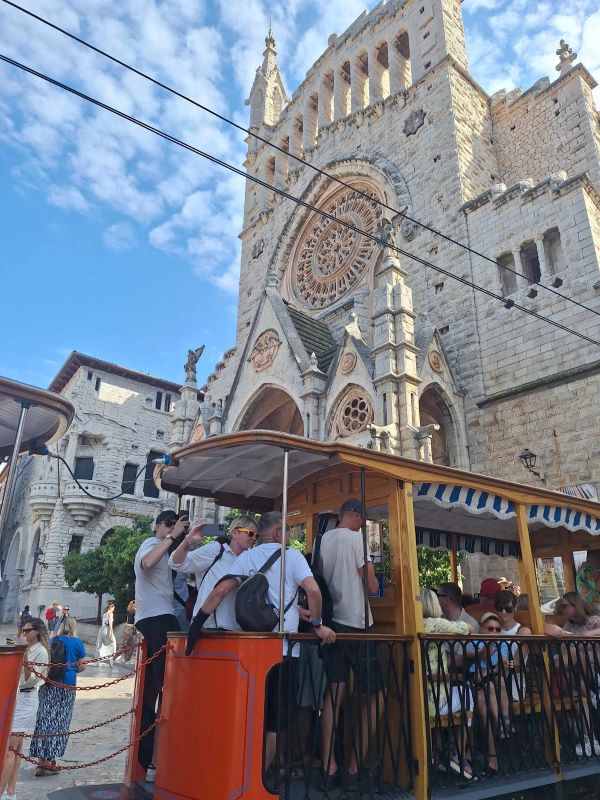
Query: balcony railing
x=341 y=709
x=504 y=707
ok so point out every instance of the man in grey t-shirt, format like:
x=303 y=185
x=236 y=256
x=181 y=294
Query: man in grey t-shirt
x=450 y=597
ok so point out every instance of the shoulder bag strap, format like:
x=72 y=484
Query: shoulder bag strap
x=269 y=562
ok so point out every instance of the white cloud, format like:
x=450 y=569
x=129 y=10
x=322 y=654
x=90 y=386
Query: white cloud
x=119 y=236
x=68 y=197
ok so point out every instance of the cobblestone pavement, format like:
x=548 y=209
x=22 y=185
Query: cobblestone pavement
x=90 y=707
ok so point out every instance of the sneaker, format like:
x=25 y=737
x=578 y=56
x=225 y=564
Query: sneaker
x=588 y=748
x=462 y=766
x=151 y=773
x=7 y=796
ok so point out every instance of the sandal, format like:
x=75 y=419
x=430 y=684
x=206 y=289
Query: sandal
x=461 y=765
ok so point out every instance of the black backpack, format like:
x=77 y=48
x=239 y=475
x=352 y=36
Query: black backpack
x=314 y=562
x=253 y=611
x=58 y=654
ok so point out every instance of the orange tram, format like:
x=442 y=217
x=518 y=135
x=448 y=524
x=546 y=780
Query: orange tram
x=425 y=720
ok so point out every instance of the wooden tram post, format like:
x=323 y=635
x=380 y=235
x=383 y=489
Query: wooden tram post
x=409 y=620
x=537 y=627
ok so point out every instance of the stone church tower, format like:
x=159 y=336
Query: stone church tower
x=339 y=336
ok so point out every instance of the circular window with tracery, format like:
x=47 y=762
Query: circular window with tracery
x=354 y=414
x=330 y=258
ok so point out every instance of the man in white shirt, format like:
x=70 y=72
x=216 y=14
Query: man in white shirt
x=343 y=565
x=154 y=618
x=213 y=561
x=297 y=573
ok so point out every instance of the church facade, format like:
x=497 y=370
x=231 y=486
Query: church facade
x=342 y=334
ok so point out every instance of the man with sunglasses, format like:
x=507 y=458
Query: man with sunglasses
x=211 y=562
x=154 y=617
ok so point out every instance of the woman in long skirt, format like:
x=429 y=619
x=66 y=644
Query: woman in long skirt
x=35 y=635
x=129 y=637
x=106 y=644
x=56 y=703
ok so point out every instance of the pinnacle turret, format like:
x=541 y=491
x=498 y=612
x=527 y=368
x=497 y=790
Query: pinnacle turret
x=267 y=96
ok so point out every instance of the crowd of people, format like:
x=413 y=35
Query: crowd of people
x=184 y=582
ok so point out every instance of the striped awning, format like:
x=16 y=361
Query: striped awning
x=477 y=501
x=442 y=540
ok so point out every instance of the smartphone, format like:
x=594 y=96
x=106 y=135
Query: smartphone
x=213 y=529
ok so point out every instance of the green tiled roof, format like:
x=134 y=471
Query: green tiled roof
x=316 y=337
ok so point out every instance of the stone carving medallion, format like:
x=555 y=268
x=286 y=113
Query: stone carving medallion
x=347 y=363
x=257 y=248
x=264 y=350
x=435 y=361
x=331 y=259
x=413 y=122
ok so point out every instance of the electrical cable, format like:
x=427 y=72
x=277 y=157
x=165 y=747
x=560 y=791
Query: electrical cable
x=213 y=159
x=44 y=451
x=298 y=158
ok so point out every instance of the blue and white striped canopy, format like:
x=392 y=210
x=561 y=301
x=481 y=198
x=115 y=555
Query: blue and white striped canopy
x=477 y=501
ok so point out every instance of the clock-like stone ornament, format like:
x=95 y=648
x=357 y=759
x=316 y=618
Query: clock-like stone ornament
x=331 y=259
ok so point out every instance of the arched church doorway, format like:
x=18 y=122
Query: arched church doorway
x=434 y=410
x=273 y=410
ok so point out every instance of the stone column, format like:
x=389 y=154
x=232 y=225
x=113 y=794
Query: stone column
x=545 y=271
x=295 y=145
x=399 y=69
x=520 y=279
x=324 y=107
x=281 y=169
x=375 y=78
x=357 y=81
x=340 y=91
x=309 y=134
x=71 y=449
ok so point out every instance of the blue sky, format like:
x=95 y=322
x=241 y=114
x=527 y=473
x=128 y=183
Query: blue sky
x=119 y=245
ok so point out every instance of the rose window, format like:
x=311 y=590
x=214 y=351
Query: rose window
x=354 y=414
x=331 y=258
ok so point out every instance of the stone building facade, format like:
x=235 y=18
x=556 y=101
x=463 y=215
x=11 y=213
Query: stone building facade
x=342 y=336
x=123 y=419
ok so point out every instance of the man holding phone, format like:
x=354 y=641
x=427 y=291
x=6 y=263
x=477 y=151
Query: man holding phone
x=211 y=562
x=154 y=618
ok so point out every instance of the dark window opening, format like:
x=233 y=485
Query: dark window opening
x=553 y=250
x=158 y=401
x=167 y=402
x=150 y=489
x=84 y=469
x=530 y=262
x=98 y=382
x=90 y=376
x=128 y=480
x=75 y=544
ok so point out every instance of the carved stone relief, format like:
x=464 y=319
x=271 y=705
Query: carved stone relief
x=264 y=350
x=413 y=122
x=348 y=363
x=354 y=414
x=435 y=361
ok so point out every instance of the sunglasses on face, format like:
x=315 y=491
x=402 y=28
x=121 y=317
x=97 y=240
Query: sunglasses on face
x=493 y=630
x=27 y=630
x=248 y=531
x=506 y=609
x=169 y=523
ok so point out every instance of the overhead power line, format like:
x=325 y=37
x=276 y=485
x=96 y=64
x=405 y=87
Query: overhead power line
x=295 y=157
x=288 y=196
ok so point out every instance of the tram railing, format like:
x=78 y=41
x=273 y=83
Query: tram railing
x=501 y=707
x=344 y=718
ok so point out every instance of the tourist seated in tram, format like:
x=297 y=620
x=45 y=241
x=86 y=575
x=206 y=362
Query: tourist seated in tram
x=487 y=594
x=486 y=678
x=588 y=578
x=451 y=602
x=582 y=618
x=282 y=682
x=445 y=695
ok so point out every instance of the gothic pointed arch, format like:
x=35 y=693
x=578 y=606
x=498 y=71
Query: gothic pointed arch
x=437 y=408
x=271 y=408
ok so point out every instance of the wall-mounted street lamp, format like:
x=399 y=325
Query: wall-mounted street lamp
x=528 y=459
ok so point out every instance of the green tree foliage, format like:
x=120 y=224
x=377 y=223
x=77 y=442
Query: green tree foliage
x=109 y=569
x=434 y=566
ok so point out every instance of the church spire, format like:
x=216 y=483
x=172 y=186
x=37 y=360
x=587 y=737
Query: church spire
x=267 y=96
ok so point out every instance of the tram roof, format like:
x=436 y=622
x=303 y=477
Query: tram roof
x=245 y=470
x=48 y=417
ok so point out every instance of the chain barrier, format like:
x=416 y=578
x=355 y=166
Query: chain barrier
x=100 y=685
x=74 y=733
x=61 y=768
x=116 y=654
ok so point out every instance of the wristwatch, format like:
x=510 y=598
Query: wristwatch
x=315 y=623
